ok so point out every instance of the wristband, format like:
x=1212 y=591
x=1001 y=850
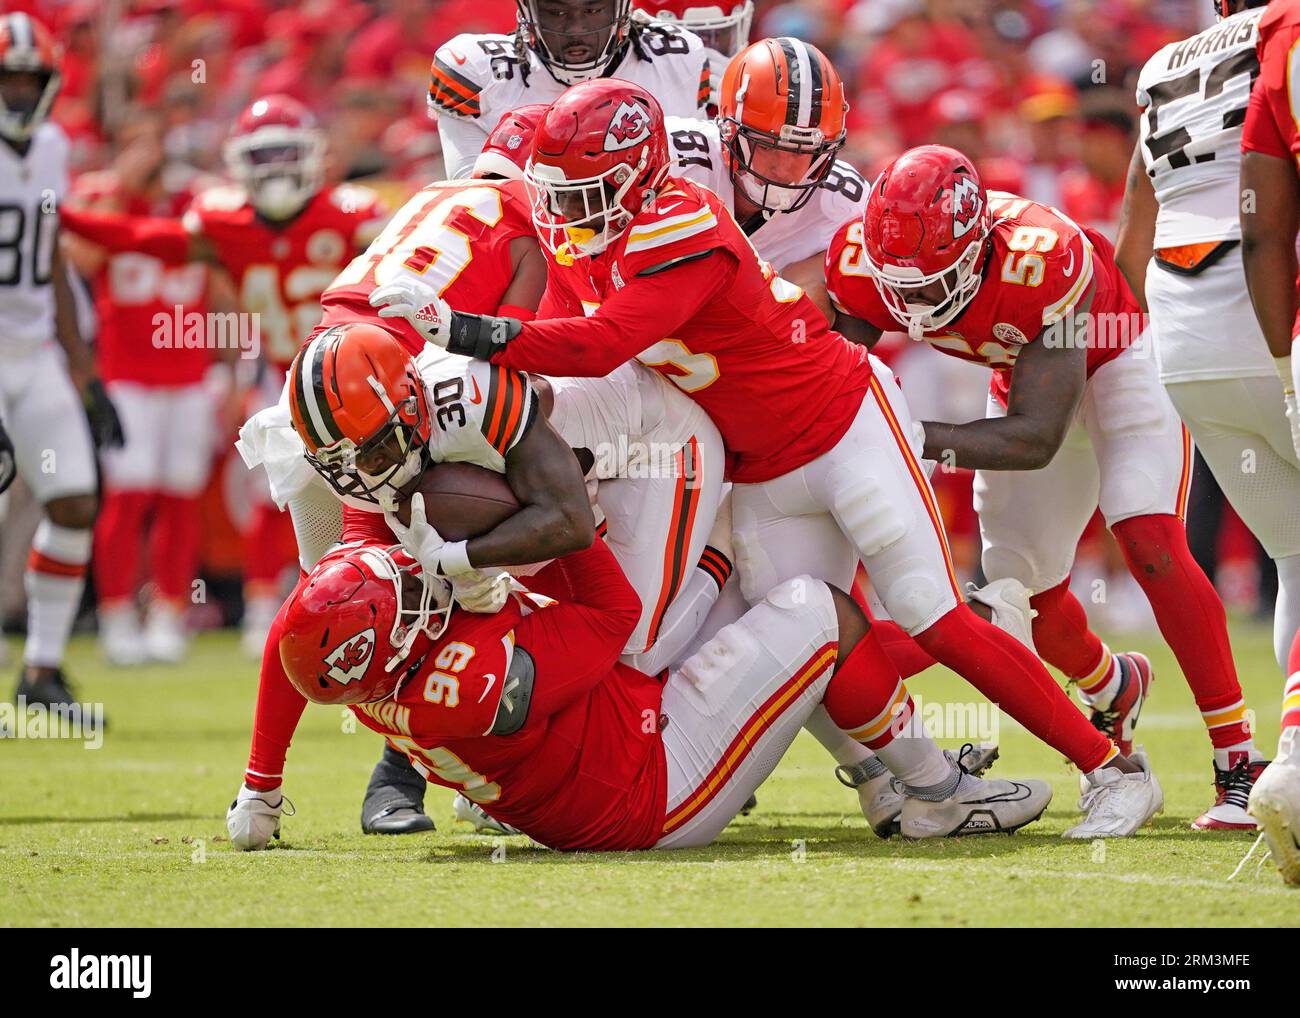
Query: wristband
x=453 y=558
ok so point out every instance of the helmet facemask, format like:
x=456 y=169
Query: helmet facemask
x=281 y=167
x=387 y=466
x=423 y=604
x=768 y=192
x=534 y=26
x=900 y=285
x=581 y=218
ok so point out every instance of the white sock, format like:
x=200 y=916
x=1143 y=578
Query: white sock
x=917 y=761
x=1286 y=613
x=681 y=622
x=846 y=751
x=55 y=577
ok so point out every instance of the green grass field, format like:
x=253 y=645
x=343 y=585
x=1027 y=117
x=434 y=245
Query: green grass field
x=133 y=833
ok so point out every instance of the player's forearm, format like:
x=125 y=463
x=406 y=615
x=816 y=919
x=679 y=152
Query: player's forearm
x=1268 y=232
x=1000 y=443
x=534 y=534
x=81 y=365
x=164 y=239
x=1137 y=228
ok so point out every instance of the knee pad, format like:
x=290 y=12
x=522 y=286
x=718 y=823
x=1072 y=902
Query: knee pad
x=915 y=599
x=713 y=670
x=869 y=516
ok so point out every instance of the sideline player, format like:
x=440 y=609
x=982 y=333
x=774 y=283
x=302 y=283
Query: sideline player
x=1270 y=144
x=1179 y=247
x=476 y=79
x=283 y=235
x=43 y=408
x=528 y=712
x=826 y=473
x=1076 y=419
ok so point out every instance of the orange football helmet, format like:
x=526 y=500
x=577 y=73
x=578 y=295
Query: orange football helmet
x=781 y=114
x=360 y=407
x=362 y=612
x=26 y=48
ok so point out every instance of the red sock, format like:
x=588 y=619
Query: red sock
x=1190 y=616
x=866 y=697
x=117 y=543
x=174 y=551
x=279 y=707
x=1061 y=632
x=264 y=545
x=1009 y=675
x=908 y=656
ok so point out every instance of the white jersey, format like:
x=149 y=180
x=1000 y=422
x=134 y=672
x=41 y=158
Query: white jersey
x=477 y=79
x=1194 y=95
x=31 y=188
x=786 y=237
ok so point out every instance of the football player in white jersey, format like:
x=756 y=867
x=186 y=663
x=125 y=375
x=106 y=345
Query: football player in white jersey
x=722 y=25
x=476 y=79
x=770 y=156
x=1180 y=249
x=40 y=347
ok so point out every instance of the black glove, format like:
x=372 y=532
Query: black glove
x=105 y=425
x=8 y=468
x=480 y=336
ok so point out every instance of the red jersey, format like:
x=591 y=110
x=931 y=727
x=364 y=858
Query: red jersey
x=1040 y=265
x=587 y=770
x=280 y=269
x=684 y=292
x=455 y=235
x=133 y=290
x=1271 y=126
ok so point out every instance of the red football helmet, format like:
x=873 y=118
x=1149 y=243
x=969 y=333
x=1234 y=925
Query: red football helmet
x=574 y=39
x=506 y=152
x=360 y=407
x=926 y=228
x=362 y=612
x=600 y=154
x=27 y=51
x=277 y=153
x=723 y=25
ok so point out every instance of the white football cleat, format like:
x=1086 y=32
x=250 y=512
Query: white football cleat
x=1117 y=804
x=1008 y=599
x=880 y=797
x=119 y=636
x=164 y=633
x=978 y=806
x=1231 y=793
x=1275 y=805
x=254 y=818
x=472 y=813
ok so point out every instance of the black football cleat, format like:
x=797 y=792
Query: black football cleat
x=48 y=687
x=394 y=801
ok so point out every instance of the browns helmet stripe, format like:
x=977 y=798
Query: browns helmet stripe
x=21 y=35
x=309 y=390
x=791 y=93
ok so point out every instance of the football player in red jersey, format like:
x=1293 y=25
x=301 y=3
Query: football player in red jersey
x=283 y=236
x=151 y=485
x=1270 y=147
x=1077 y=418
x=529 y=713
x=824 y=463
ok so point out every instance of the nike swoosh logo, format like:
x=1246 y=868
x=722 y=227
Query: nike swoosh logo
x=478 y=396
x=456 y=56
x=1069 y=267
x=669 y=208
x=491 y=681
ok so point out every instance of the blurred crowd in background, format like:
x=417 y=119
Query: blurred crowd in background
x=1038 y=92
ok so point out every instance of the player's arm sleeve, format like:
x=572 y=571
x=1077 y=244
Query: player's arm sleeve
x=575 y=643
x=462 y=141
x=646 y=310
x=164 y=239
x=455 y=101
x=1260 y=132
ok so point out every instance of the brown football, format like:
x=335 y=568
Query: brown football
x=463 y=500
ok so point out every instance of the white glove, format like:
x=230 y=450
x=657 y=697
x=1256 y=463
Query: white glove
x=254 y=818
x=1288 y=368
x=424 y=544
x=417 y=302
x=484 y=593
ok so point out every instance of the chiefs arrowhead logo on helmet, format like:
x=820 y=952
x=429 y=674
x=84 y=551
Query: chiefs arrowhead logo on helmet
x=966 y=206
x=629 y=126
x=348 y=661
